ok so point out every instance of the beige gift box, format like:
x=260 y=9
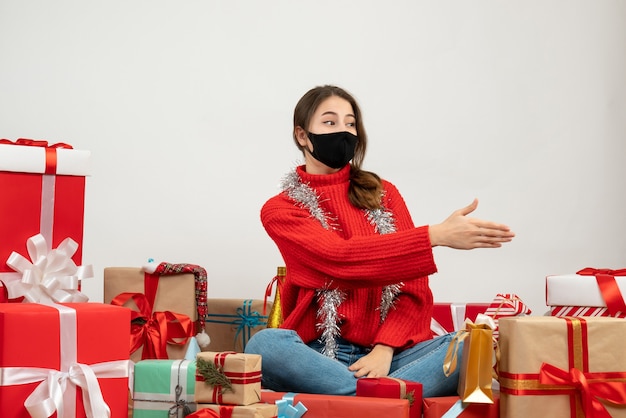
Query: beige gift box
x=175 y=293
x=231 y=322
x=548 y=365
x=241 y=371
x=257 y=410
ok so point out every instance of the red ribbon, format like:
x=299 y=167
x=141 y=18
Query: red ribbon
x=591 y=386
x=578 y=382
x=608 y=287
x=51 y=150
x=268 y=291
x=157 y=329
x=204 y=413
x=236 y=378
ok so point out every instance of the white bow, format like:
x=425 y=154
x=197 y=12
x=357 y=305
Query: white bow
x=49 y=276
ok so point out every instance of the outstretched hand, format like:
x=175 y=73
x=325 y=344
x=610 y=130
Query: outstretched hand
x=464 y=233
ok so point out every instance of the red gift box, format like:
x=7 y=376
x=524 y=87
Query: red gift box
x=322 y=406
x=450 y=317
x=437 y=407
x=84 y=345
x=389 y=387
x=43 y=189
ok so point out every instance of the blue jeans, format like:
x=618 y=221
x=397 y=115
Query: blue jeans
x=289 y=365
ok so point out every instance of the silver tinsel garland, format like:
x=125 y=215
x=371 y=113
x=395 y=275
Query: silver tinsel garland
x=330 y=299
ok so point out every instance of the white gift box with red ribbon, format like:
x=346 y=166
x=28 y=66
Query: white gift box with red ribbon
x=589 y=292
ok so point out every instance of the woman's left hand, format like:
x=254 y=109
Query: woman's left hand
x=376 y=363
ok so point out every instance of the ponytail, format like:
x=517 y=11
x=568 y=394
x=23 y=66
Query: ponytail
x=366 y=189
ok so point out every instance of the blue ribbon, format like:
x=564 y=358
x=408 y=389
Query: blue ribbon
x=455 y=410
x=286 y=408
x=246 y=320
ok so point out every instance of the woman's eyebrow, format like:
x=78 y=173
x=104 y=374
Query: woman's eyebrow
x=330 y=112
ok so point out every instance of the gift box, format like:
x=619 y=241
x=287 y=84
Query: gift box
x=450 y=317
x=83 y=362
x=169 y=299
x=322 y=406
x=437 y=407
x=163 y=387
x=584 y=311
x=389 y=387
x=231 y=322
x=562 y=367
x=228 y=378
x=256 y=410
x=589 y=287
x=43 y=186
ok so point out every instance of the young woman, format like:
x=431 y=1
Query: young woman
x=356 y=300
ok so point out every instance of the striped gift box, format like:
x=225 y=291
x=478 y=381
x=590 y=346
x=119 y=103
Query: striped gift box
x=583 y=311
x=506 y=305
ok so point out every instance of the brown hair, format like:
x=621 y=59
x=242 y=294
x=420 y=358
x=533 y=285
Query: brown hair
x=365 y=189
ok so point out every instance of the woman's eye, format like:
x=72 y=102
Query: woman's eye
x=328 y=122
x=351 y=124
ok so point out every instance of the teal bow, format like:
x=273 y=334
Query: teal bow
x=245 y=319
x=286 y=408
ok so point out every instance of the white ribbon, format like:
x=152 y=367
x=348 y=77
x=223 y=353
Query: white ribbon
x=57 y=390
x=457 y=313
x=482 y=319
x=49 y=276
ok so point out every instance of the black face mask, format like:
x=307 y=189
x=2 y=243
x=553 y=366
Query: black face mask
x=335 y=149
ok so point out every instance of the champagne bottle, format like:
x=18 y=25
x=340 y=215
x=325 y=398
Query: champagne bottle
x=275 y=317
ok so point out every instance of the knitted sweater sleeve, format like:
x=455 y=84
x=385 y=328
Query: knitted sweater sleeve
x=408 y=322
x=317 y=256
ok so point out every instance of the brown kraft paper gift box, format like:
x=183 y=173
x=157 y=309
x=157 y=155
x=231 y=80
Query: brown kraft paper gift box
x=175 y=293
x=231 y=322
x=562 y=367
x=228 y=378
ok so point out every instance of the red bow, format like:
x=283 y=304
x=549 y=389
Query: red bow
x=608 y=287
x=591 y=386
x=35 y=143
x=154 y=330
x=51 y=150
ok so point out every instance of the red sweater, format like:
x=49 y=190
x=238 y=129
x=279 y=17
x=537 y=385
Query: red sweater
x=354 y=258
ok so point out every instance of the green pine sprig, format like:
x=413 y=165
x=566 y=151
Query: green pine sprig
x=411 y=397
x=213 y=375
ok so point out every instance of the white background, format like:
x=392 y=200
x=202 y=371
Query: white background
x=186 y=107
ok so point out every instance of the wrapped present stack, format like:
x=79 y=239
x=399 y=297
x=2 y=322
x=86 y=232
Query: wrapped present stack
x=451 y=317
x=229 y=384
x=589 y=292
x=41 y=231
